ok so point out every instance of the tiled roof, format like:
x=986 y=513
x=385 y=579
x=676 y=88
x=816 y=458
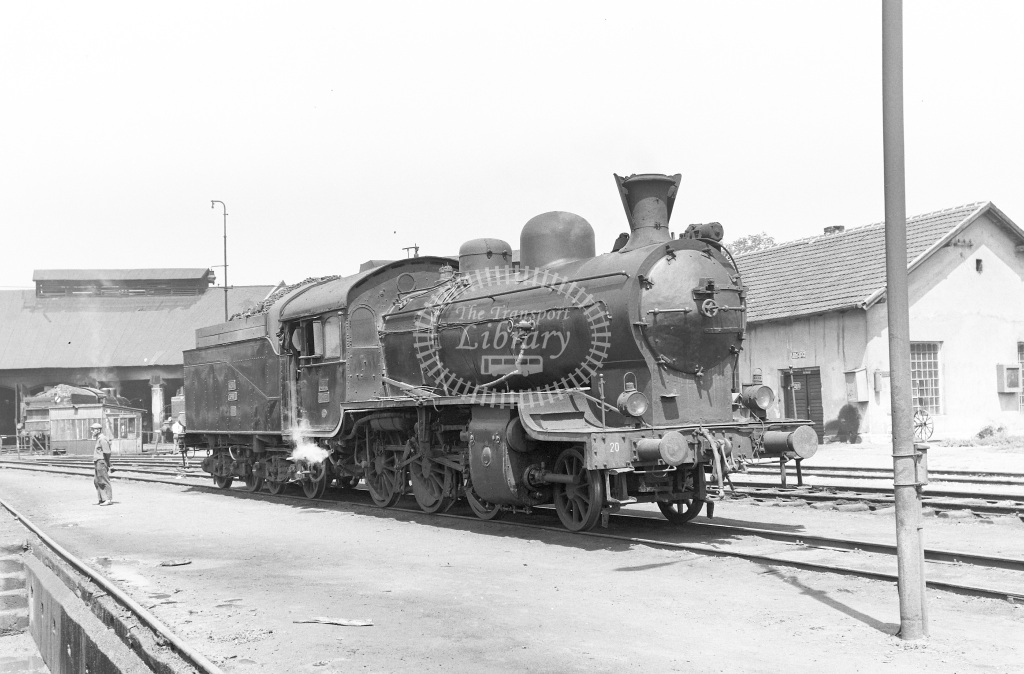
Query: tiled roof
x=85 y=332
x=189 y=274
x=840 y=271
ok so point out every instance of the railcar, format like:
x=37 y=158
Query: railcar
x=572 y=379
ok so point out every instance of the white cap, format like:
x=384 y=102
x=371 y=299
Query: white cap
x=96 y=427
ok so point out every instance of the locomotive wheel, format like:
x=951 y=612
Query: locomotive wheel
x=681 y=512
x=315 y=483
x=385 y=479
x=432 y=484
x=222 y=482
x=578 y=504
x=481 y=508
x=253 y=483
x=276 y=488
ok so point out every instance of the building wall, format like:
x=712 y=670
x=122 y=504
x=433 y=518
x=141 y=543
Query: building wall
x=835 y=343
x=976 y=317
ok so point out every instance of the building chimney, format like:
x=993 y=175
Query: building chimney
x=835 y=229
x=648 y=199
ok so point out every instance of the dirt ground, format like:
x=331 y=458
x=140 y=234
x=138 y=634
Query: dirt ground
x=452 y=596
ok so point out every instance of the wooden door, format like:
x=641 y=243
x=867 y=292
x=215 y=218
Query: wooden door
x=801 y=394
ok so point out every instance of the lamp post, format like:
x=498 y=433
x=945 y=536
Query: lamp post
x=224 y=206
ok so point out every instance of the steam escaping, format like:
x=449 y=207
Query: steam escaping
x=304 y=449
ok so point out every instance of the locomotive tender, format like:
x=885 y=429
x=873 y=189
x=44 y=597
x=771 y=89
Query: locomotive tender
x=580 y=380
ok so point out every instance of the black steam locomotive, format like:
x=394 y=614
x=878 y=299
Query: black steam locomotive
x=580 y=380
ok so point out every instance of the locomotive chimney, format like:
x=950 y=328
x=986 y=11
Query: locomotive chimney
x=648 y=199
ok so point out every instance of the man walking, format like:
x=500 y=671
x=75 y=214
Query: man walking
x=101 y=461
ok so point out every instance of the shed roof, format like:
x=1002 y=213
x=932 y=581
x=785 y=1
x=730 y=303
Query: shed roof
x=87 y=332
x=845 y=270
x=174 y=274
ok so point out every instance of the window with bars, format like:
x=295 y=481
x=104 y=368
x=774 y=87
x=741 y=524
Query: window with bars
x=924 y=375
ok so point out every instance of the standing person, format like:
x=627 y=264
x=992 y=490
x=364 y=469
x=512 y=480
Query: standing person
x=178 y=430
x=101 y=461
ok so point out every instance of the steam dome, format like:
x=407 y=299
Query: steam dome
x=553 y=237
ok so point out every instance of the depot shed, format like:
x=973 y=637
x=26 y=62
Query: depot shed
x=818 y=323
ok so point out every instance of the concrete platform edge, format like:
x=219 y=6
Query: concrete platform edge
x=69 y=637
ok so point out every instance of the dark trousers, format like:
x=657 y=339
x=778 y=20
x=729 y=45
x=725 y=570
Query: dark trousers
x=102 y=481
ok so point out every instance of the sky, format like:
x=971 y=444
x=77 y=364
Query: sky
x=338 y=132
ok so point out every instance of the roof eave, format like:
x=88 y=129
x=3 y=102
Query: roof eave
x=810 y=314
x=985 y=207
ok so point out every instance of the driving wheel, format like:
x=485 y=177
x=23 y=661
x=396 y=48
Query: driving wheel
x=433 y=484
x=224 y=482
x=385 y=479
x=485 y=510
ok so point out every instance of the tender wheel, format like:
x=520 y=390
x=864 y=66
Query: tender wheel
x=485 y=510
x=385 y=480
x=253 y=483
x=314 y=484
x=432 y=484
x=276 y=488
x=223 y=482
x=681 y=512
x=578 y=504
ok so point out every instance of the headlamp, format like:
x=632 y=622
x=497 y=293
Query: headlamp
x=758 y=397
x=631 y=402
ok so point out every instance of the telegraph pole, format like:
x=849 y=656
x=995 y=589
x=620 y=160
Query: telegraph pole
x=906 y=481
x=224 y=206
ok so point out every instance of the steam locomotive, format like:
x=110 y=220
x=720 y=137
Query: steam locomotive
x=574 y=379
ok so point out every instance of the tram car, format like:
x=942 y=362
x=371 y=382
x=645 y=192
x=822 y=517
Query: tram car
x=577 y=380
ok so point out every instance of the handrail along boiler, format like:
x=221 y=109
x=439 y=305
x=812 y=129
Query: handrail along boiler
x=580 y=380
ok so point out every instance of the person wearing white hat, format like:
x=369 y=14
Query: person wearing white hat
x=101 y=461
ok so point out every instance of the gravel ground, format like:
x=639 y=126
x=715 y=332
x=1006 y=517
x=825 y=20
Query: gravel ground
x=453 y=596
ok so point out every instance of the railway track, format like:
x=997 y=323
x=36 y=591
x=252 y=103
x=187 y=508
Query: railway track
x=134 y=612
x=961 y=572
x=869 y=473
x=982 y=502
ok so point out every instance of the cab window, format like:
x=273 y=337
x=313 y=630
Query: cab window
x=362 y=326
x=314 y=339
x=332 y=337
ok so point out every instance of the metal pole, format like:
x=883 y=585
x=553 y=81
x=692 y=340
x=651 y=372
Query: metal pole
x=212 y=202
x=909 y=547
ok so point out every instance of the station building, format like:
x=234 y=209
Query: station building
x=818 y=327
x=119 y=329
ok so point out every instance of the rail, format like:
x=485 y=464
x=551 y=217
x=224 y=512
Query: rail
x=191 y=655
x=799 y=539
